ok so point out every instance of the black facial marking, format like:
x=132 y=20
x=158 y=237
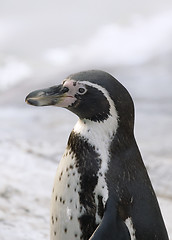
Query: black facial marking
x=118 y=93
x=88 y=164
x=93 y=105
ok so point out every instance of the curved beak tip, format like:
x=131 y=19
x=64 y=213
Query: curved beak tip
x=26 y=100
x=32 y=99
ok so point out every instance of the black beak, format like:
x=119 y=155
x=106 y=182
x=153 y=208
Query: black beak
x=46 y=97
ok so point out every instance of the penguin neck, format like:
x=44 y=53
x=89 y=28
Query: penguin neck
x=98 y=134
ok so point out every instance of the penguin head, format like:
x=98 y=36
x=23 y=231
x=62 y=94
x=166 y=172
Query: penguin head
x=90 y=95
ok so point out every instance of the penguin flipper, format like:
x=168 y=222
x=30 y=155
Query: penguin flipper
x=112 y=226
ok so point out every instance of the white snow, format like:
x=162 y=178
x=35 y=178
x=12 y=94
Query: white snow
x=139 y=41
x=13 y=71
x=114 y=44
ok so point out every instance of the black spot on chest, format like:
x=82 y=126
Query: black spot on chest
x=88 y=163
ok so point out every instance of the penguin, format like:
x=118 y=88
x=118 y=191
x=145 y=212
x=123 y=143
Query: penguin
x=102 y=190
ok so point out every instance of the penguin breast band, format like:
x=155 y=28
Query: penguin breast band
x=101 y=190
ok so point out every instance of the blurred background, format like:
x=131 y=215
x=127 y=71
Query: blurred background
x=42 y=42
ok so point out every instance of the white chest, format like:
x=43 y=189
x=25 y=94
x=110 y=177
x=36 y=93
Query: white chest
x=65 y=207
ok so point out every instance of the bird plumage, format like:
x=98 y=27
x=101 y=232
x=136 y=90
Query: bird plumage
x=101 y=189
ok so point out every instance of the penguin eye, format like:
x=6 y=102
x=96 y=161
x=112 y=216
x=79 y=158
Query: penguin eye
x=81 y=90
